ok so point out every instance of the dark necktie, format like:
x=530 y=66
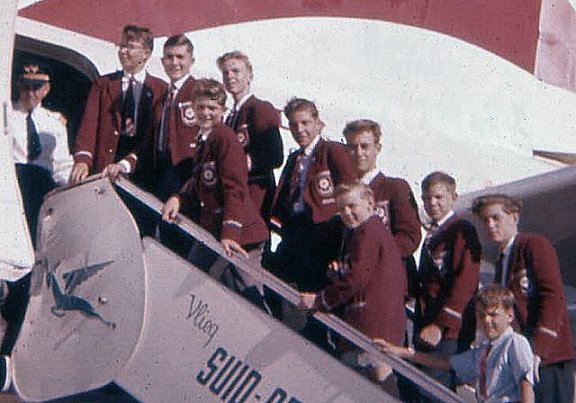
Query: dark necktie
x=294 y=184
x=483 y=380
x=34 y=146
x=129 y=110
x=498 y=269
x=232 y=119
x=200 y=145
x=168 y=119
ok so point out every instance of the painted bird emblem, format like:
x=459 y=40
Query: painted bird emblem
x=65 y=301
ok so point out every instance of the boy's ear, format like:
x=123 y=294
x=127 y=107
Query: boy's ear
x=510 y=315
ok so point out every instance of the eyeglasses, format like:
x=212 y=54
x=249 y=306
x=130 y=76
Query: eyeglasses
x=131 y=47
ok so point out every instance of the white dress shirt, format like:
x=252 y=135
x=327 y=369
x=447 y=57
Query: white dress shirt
x=55 y=156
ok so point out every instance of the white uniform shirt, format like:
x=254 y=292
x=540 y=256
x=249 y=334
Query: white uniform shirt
x=55 y=156
x=509 y=362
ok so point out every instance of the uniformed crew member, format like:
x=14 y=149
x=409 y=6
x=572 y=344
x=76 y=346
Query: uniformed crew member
x=256 y=124
x=395 y=203
x=448 y=275
x=40 y=141
x=528 y=266
x=43 y=162
x=118 y=114
x=304 y=205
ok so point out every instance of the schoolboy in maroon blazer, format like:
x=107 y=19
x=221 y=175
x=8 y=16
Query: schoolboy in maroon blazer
x=256 y=123
x=112 y=129
x=528 y=266
x=368 y=278
x=448 y=275
x=304 y=205
x=216 y=194
x=395 y=203
x=174 y=140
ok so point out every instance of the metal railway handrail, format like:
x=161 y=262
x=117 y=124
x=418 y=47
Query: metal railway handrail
x=272 y=282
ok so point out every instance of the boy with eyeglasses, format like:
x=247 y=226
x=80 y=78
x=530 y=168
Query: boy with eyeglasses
x=118 y=116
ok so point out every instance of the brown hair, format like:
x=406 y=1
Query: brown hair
x=300 y=104
x=179 y=40
x=509 y=204
x=436 y=178
x=363 y=125
x=209 y=88
x=494 y=295
x=140 y=34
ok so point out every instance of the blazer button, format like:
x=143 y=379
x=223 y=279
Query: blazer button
x=110 y=151
x=116 y=132
x=202 y=204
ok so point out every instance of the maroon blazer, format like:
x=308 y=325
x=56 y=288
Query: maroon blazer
x=330 y=166
x=257 y=129
x=448 y=277
x=216 y=195
x=396 y=206
x=182 y=127
x=535 y=280
x=101 y=125
x=371 y=283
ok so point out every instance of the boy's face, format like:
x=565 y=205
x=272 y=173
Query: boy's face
x=304 y=127
x=132 y=55
x=494 y=320
x=500 y=225
x=354 y=209
x=438 y=201
x=177 y=62
x=363 y=150
x=207 y=111
x=236 y=77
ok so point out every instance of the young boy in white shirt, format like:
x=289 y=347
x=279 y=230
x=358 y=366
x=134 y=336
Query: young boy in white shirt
x=502 y=366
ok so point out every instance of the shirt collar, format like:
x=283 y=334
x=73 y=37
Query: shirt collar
x=180 y=82
x=138 y=77
x=445 y=218
x=204 y=133
x=508 y=247
x=242 y=101
x=369 y=176
x=17 y=107
x=310 y=147
x=500 y=339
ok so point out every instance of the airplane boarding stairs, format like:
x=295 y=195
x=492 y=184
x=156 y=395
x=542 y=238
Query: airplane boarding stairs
x=108 y=306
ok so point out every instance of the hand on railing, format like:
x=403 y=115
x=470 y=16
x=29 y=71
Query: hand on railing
x=79 y=172
x=231 y=247
x=307 y=301
x=170 y=209
x=113 y=171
